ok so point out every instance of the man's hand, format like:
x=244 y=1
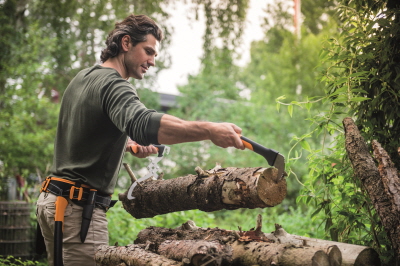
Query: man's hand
x=143 y=151
x=226 y=135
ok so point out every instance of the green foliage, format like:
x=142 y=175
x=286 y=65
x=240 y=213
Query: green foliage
x=45 y=43
x=224 y=22
x=27 y=117
x=12 y=261
x=359 y=69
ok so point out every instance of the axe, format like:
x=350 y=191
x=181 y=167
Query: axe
x=273 y=157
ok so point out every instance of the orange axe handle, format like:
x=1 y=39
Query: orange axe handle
x=135 y=149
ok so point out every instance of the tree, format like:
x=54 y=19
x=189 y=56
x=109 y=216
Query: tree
x=362 y=82
x=45 y=43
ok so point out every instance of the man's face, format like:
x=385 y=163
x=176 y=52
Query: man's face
x=139 y=58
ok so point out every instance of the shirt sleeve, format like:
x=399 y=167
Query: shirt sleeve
x=122 y=105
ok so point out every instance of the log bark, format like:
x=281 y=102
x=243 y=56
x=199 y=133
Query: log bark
x=249 y=247
x=216 y=189
x=382 y=185
x=253 y=244
x=196 y=253
x=267 y=254
x=131 y=255
x=339 y=253
x=157 y=235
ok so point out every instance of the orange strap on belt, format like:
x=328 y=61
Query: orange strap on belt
x=80 y=188
x=61 y=204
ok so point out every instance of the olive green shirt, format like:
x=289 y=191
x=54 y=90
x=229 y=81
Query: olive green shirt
x=99 y=110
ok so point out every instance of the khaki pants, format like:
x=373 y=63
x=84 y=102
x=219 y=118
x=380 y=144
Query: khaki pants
x=74 y=252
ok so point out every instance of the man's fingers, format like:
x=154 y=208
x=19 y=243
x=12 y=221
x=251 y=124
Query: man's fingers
x=226 y=135
x=145 y=151
x=239 y=143
x=237 y=129
x=149 y=149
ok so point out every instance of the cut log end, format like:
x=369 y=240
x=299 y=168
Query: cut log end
x=335 y=255
x=320 y=258
x=368 y=257
x=271 y=192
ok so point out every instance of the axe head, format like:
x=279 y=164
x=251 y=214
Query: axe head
x=280 y=165
x=273 y=157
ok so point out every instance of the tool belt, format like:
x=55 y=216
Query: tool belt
x=78 y=193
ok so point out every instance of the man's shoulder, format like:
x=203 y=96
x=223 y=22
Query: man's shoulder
x=100 y=71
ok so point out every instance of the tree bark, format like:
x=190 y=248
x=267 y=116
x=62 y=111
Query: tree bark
x=381 y=185
x=267 y=254
x=196 y=253
x=249 y=248
x=339 y=253
x=254 y=247
x=216 y=189
x=157 y=235
x=131 y=255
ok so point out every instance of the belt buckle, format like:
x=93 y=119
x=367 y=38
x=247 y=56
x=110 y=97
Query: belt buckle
x=72 y=192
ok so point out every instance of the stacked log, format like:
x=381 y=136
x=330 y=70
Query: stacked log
x=192 y=245
x=339 y=253
x=131 y=255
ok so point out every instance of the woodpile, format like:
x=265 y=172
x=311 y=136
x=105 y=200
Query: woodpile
x=192 y=245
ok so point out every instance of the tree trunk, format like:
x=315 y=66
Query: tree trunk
x=131 y=255
x=216 y=189
x=382 y=185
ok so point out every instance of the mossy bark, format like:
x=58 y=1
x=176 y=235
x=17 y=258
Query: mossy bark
x=381 y=183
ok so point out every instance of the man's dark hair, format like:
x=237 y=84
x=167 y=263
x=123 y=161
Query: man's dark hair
x=137 y=27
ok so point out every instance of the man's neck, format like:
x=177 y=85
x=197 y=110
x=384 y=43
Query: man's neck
x=116 y=63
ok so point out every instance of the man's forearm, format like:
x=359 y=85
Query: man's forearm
x=174 y=130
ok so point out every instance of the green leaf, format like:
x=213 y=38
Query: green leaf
x=278 y=106
x=305 y=145
x=359 y=99
x=290 y=110
x=340 y=99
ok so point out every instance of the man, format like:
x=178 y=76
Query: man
x=99 y=112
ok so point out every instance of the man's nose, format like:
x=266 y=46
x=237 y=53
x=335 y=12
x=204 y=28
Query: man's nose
x=151 y=61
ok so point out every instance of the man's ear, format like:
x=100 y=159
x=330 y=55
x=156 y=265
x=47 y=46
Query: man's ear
x=125 y=41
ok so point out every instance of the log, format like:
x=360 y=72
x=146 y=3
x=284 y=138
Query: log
x=248 y=248
x=266 y=254
x=382 y=185
x=278 y=241
x=131 y=255
x=339 y=253
x=196 y=253
x=219 y=188
x=157 y=235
